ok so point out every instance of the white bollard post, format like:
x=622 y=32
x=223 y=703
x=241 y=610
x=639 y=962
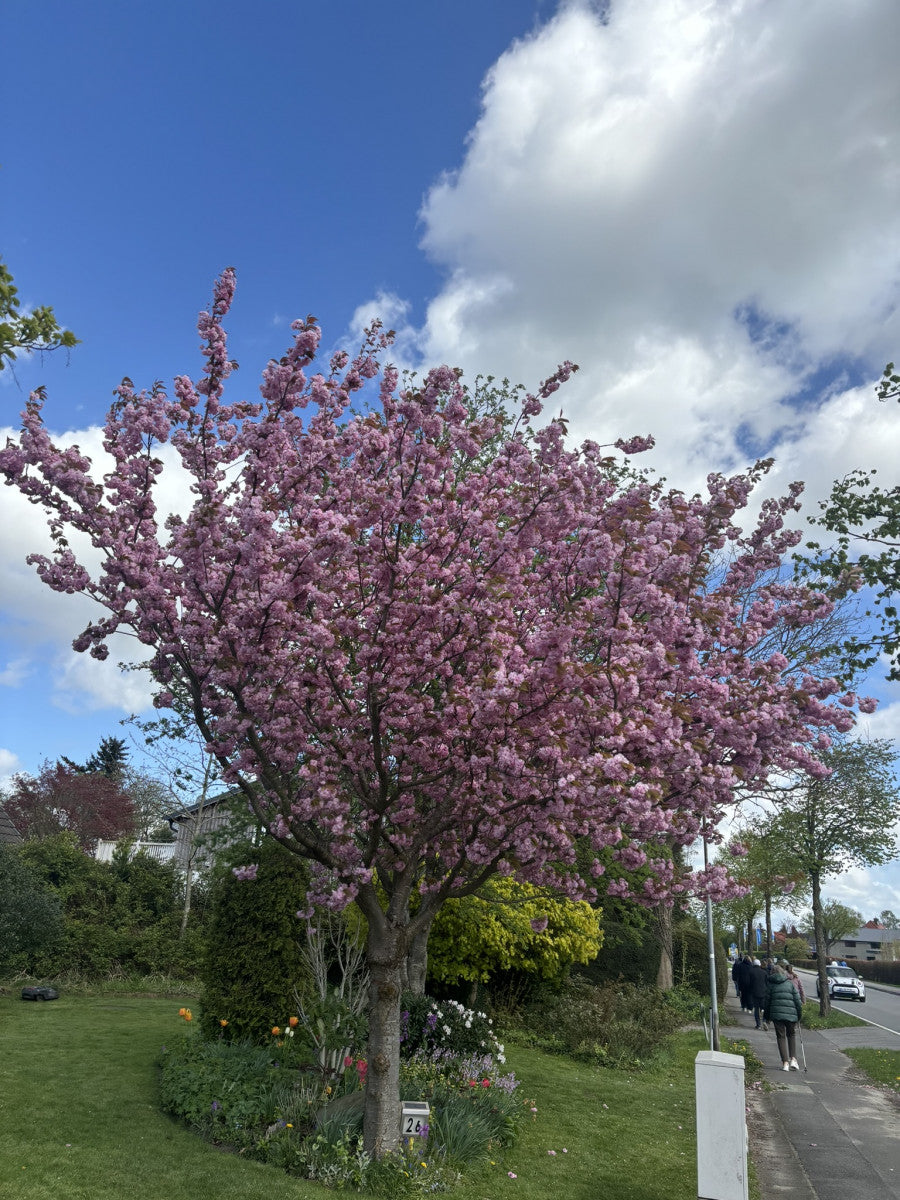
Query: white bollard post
x=721 y=1126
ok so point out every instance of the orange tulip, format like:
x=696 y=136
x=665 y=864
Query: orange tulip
x=275 y=1031
x=293 y=1022
x=222 y=1022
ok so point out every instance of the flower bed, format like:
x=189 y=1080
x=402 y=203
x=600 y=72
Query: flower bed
x=276 y=1104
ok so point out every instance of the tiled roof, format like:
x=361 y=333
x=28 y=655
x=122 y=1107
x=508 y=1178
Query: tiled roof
x=8 y=832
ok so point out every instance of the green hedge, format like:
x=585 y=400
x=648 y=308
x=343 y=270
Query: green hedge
x=878 y=972
x=252 y=961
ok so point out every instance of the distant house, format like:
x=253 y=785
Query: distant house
x=192 y=826
x=9 y=835
x=871 y=943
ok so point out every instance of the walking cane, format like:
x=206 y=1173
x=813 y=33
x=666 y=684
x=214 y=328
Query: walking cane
x=802 y=1047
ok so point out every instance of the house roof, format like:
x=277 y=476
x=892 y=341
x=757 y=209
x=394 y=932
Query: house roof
x=9 y=835
x=207 y=806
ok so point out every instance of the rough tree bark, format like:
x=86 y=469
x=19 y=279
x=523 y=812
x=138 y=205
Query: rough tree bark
x=665 y=976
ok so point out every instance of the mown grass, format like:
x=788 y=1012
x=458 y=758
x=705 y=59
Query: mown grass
x=615 y=1133
x=835 y=1019
x=882 y=1066
x=79 y=1118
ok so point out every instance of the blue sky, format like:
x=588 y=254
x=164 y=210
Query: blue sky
x=698 y=204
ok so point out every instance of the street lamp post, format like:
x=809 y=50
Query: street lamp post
x=711 y=949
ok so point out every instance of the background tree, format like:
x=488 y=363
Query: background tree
x=454 y=670
x=759 y=861
x=192 y=781
x=838 y=922
x=30 y=917
x=511 y=927
x=796 y=949
x=741 y=914
x=36 y=330
x=889 y=919
x=842 y=820
x=92 y=807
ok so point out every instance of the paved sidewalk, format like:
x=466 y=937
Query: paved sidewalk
x=823 y=1133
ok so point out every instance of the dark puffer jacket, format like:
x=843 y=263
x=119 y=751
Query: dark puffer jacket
x=782 y=1001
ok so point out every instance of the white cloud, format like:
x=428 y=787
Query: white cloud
x=44 y=622
x=633 y=186
x=15 y=673
x=9 y=766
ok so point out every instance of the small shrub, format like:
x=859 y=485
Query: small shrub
x=427 y=1024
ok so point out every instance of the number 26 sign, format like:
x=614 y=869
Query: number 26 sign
x=414 y=1117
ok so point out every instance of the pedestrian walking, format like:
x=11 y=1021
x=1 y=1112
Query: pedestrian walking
x=744 y=979
x=736 y=975
x=758 y=980
x=795 y=980
x=784 y=1010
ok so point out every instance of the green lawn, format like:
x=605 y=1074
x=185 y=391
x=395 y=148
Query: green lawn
x=881 y=1065
x=78 y=1118
x=836 y=1019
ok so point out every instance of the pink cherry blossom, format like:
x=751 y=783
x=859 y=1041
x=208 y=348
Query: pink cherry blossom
x=427 y=648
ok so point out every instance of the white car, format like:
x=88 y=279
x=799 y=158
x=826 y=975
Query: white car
x=844 y=984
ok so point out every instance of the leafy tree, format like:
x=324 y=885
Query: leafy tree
x=36 y=330
x=840 y=819
x=30 y=919
x=511 y=926
x=759 y=861
x=838 y=920
x=92 y=807
x=428 y=655
x=796 y=949
x=889 y=919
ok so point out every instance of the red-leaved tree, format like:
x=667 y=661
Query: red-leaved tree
x=92 y=806
x=430 y=648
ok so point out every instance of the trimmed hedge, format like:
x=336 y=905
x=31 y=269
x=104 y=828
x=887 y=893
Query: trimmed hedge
x=878 y=972
x=252 y=961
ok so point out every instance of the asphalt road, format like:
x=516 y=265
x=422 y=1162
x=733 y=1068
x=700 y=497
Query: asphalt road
x=882 y=1008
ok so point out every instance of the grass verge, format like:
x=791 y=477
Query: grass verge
x=882 y=1066
x=835 y=1019
x=79 y=1118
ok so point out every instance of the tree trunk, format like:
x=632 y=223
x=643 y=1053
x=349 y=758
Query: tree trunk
x=665 y=976
x=417 y=961
x=819 y=934
x=186 y=908
x=386 y=956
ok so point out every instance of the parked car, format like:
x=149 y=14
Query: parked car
x=844 y=984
